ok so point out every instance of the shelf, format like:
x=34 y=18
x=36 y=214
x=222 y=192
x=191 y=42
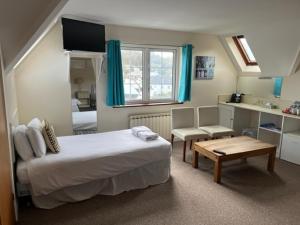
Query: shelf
x=271 y=130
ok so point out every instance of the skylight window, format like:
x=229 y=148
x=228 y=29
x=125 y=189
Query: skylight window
x=245 y=50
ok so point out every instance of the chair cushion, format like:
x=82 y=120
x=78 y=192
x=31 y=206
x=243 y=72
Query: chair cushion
x=217 y=131
x=189 y=133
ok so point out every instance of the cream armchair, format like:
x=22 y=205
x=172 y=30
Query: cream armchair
x=183 y=127
x=208 y=121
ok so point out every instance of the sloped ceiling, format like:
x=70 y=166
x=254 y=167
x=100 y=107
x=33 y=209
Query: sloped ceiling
x=18 y=22
x=271 y=26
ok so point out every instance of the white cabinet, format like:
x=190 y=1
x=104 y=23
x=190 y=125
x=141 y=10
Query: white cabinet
x=290 y=150
x=226 y=116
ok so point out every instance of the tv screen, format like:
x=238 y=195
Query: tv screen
x=83 y=36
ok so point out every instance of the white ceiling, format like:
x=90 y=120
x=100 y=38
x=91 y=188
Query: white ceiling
x=271 y=26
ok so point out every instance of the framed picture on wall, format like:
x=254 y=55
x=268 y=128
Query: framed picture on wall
x=205 y=66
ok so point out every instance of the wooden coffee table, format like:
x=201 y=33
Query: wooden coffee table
x=234 y=148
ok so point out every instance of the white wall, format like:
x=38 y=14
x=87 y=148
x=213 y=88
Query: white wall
x=11 y=98
x=290 y=87
x=19 y=20
x=203 y=92
x=43 y=87
x=42 y=83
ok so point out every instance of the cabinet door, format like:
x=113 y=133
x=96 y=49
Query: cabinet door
x=226 y=115
x=290 y=148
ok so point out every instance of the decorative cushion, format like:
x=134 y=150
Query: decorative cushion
x=50 y=137
x=189 y=133
x=37 y=141
x=22 y=143
x=36 y=123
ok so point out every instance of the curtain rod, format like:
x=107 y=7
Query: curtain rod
x=127 y=43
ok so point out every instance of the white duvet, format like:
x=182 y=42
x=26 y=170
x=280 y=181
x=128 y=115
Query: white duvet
x=85 y=158
x=84 y=120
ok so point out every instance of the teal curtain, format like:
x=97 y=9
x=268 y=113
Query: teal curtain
x=115 y=87
x=277 y=86
x=185 y=82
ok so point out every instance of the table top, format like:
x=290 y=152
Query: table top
x=235 y=145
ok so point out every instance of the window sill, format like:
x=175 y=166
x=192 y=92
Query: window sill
x=148 y=104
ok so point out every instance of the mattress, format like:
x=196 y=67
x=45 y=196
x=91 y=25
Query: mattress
x=22 y=172
x=84 y=120
x=142 y=177
x=87 y=158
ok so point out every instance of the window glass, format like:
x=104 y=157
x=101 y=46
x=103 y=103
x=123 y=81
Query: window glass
x=148 y=73
x=247 y=49
x=132 y=62
x=161 y=74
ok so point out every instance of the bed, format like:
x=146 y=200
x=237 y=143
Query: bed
x=75 y=103
x=84 y=121
x=104 y=163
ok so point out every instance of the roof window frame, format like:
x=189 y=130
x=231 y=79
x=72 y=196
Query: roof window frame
x=242 y=51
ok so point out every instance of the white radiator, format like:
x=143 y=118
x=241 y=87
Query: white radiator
x=157 y=122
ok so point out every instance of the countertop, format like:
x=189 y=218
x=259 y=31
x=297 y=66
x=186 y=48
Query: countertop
x=260 y=109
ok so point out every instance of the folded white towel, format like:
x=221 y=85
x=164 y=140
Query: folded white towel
x=136 y=130
x=147 y=135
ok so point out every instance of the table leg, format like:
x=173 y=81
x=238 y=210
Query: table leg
x=172 y=139
x=217 y=171
x=191 y=144
x=184 y=150
x=271 y=161
x=195 y=158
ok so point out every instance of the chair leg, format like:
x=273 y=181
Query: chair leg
x=184 y=149
x=172 y=139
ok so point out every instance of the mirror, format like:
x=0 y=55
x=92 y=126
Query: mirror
x=83 y=94
x=264 y=87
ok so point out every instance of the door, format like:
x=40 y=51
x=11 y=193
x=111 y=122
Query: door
x=226 y=115
x=6 y=193
x=290 y=147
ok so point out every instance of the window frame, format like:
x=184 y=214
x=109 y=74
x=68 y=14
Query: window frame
x=147 y=49
x=242 y=51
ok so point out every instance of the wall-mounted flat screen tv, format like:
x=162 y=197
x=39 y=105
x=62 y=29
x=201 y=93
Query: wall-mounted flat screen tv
x=83 y=36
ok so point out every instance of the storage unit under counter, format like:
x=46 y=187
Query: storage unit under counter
x=269 y=125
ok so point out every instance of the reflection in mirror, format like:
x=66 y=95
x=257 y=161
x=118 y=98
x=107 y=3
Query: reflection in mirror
x=259 y=87
x=83 y=94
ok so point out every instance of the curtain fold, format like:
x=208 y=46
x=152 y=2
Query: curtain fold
x=185 y=82
x=277 y=86
x=115 y=87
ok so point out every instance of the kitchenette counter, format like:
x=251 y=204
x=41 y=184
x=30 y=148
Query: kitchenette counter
x=260 y=109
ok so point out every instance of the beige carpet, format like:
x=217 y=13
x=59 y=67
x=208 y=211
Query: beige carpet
x=248 y=195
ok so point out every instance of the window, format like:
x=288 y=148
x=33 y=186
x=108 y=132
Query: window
x=149 y=73
x=245 y=50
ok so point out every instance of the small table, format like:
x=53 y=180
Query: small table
x=234 y=148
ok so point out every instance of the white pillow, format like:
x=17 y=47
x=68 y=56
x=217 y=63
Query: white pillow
x=36 y=123
x=22 y=143
x=37 y=141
